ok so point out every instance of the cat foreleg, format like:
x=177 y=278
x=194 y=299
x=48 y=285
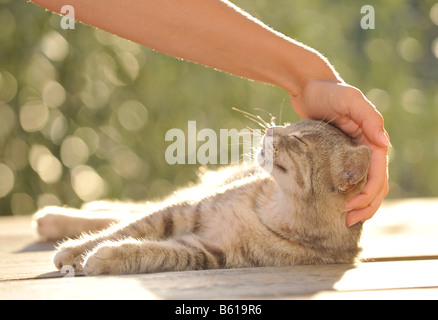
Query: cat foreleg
x=169 y=222
x=56 y=223
x=132 y=256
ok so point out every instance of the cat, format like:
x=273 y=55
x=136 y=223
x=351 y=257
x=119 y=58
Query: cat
x=287 y=209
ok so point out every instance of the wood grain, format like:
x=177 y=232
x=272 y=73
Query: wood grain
x=402 y=238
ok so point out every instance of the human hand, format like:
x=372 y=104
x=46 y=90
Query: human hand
x=348 y=109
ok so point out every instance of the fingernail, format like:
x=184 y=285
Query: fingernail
x=384 y=138
x=352 y=223
x=347 y=208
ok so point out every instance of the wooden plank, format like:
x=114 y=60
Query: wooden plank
x=251 y=283
x=22 y=256
x=402 y=229
x=27 y=266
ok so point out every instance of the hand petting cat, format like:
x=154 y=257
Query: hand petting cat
x=347 y=108
x=220 y=35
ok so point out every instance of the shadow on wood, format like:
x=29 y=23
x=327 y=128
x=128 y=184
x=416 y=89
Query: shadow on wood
x=38 y=246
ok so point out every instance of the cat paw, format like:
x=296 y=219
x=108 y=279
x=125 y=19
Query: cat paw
x=49 y=224
x=104 y=259
x=69 y=254
x=111 y=258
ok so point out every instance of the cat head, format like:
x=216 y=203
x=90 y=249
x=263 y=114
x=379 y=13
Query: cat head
x=314 y=159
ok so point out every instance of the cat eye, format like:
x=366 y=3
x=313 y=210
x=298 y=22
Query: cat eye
x=283 y=169
x=299 y=139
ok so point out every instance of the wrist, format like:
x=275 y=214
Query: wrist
x=302 y=65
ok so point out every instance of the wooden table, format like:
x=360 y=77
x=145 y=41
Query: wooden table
x=400 y=247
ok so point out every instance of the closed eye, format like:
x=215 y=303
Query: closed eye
x=300 y=140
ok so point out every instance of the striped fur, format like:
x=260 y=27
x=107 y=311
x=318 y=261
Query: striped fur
x=240 y=216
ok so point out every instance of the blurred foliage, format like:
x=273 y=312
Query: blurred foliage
x=83 y=114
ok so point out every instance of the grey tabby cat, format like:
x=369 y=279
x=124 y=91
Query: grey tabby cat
x=241 y=216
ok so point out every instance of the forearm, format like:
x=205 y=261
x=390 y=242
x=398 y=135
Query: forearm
x=210 y=32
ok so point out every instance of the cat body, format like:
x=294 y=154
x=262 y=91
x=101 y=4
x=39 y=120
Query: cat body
x=286 y=210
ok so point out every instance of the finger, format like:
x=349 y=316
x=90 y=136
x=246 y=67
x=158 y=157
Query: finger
x=377 y=180
x=361 y=215
x=373 y=187
x=348 y=126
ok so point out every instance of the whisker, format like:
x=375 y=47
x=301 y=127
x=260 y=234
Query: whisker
x=242 y=111
x=264 y=122
x=263 y=110
x=254 y=131
x=255 y=120
x=252 y=117
x=246 y=114
x=272 y=123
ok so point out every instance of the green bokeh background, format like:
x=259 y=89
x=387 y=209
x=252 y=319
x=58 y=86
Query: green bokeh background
x=85 y=110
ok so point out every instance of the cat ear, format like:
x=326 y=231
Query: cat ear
x=351 y=167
